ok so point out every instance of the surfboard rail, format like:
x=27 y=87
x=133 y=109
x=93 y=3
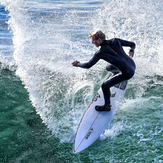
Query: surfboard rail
x=93 y=123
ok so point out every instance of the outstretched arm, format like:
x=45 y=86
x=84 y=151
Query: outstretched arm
x=88 y=64
x=75 y=63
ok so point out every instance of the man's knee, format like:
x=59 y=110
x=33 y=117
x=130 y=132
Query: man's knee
x=104 y=86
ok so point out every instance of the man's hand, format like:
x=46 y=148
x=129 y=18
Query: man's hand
x=75 y=63
x=131 y=53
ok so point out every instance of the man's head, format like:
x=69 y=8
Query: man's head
x=97 y=38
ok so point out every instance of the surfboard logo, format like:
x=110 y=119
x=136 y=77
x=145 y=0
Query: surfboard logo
x=96 y=97
x=122 y=85
x=88 y=133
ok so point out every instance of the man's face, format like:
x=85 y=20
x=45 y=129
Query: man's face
x=96 y=42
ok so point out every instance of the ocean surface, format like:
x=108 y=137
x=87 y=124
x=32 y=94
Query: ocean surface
x=43 y=97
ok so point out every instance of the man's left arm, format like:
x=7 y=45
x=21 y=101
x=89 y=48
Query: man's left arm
x=132 y=45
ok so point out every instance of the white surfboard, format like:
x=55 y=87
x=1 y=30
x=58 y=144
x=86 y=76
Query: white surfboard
x=93 y=122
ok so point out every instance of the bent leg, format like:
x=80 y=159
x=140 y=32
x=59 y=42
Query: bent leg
x=106 y=90
x=109 y=83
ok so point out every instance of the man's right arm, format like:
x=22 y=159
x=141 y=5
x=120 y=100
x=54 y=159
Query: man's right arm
x=92 y=62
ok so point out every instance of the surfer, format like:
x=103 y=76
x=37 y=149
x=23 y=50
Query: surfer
x=112 y=52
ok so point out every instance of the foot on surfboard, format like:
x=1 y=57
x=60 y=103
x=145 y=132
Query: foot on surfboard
x=103 y=108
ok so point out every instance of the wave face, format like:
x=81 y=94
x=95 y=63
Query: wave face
x=44 y=38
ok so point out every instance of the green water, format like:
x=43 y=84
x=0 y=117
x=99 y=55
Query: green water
x=136 y=131
x=43 y=39
x=24 y=138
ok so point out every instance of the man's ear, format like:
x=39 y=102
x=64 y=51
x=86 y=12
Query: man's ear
x=100 y=40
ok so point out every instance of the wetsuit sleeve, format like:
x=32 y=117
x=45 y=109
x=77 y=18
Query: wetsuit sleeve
x=92 y=62
x=127 y=43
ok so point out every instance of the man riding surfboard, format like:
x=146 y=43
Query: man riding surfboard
x=112 y=52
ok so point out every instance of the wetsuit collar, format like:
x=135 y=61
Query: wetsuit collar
x=103 y=42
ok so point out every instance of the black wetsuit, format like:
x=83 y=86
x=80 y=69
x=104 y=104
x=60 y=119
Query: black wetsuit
x=112 y=52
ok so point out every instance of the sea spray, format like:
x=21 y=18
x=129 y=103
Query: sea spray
x=46 y=42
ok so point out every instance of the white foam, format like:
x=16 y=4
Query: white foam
x=46 y=42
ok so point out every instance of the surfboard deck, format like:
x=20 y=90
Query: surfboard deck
x=93 y=122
